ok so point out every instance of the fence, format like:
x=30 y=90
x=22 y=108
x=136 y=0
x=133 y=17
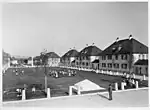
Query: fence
x=39 y=92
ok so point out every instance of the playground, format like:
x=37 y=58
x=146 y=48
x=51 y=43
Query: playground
x=34 y=77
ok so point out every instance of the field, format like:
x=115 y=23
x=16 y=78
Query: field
x=58 y=86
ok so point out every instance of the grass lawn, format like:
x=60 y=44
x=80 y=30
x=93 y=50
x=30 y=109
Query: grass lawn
x=59 y=86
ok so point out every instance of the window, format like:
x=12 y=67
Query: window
x=116 y=57
x=109 y=65
x=86 y=64
x=82 y=63
x=116 y=65
x=140 y=70
x=146 y=69
x=77 y=63
x=146 y=56
x=124 y=66
x=142 y=56
x=103 y=64
x=139 y=56
x=124 y=57
x=109 y=57
x=103 y=57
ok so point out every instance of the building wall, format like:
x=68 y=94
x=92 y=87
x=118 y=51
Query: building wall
x=67 y=61
x=125 y=61
x=86 y=61
x=53 y=61
x=139 y=56
x=14 y=62
x=114 y=63
x=95 y=66
x=141 y=69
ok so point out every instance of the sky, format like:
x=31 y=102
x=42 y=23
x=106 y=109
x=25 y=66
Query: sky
x=28 y=28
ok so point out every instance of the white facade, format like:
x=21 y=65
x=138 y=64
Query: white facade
x=14 y=62
x=119 y=61
x=53 y=61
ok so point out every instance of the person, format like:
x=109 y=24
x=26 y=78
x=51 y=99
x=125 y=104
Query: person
x=110 y=91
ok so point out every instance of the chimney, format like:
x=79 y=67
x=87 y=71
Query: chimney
x=87 y=45
x=93 y=44
x=74 y=47
x=117 y=39
x=130 y=37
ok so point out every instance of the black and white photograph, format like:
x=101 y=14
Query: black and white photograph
x=75 y=54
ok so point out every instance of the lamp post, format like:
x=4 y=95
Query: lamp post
x=44 y=60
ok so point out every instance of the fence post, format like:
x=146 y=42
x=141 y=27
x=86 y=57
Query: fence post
x=23 y=95
x=48 y=93
x=144 y=78
x=137 y=85
x=134 y=76
x=79 y=92
x=70 y=90
x=116 y=86
x=122 y=85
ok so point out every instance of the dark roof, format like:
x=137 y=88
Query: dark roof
x=71 y=53
x=125 y=46
x=52 y=55
x=141 y=62
x=90 y=51
x=95 y=61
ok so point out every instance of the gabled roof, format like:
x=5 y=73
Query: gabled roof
x=125 y=47
x=141 y=62
x=90 y=51
x=52 y=55
x=71 y=53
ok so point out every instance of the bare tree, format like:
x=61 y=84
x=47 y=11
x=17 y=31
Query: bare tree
x=44 y=58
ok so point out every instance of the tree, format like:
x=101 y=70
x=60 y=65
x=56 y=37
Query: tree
x=44 y=58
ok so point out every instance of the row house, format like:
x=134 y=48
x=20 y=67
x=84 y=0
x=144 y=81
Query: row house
x=122 y=54
x=141 y=67
x=6 y=58
x=68 y=59
x=86 y=56
x=53 y=59
x=19 y=60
